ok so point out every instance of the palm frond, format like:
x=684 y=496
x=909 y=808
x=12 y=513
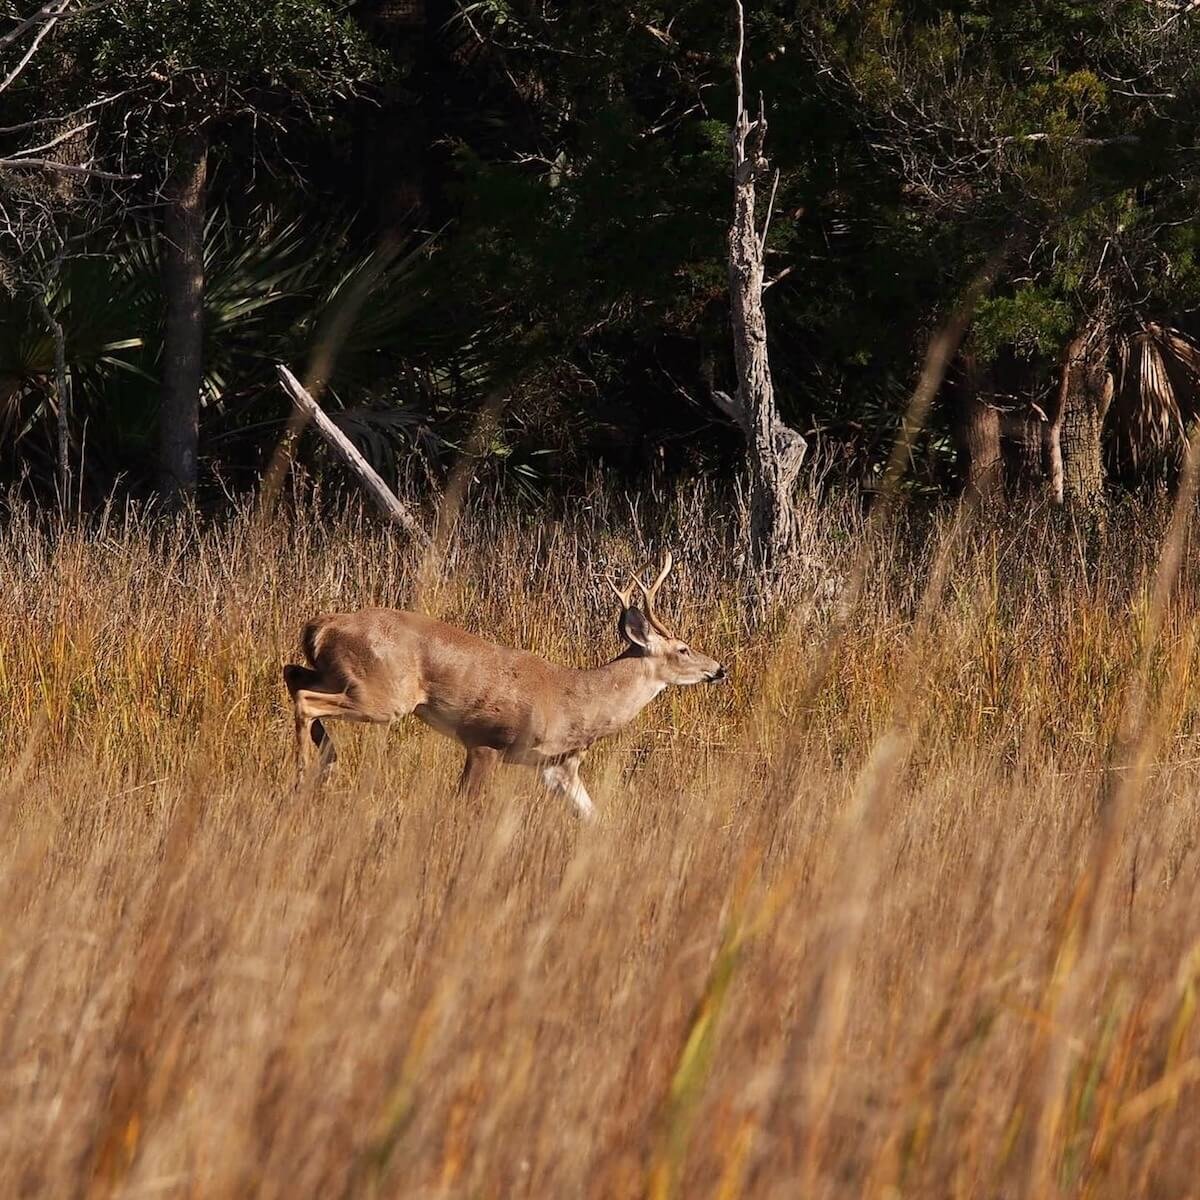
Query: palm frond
x=1157 y=393
x=1181 y=359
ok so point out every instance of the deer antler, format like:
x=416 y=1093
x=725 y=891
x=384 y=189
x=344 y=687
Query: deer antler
x=652 y=591
x=626 y=596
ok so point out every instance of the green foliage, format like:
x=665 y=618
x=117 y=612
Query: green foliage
x=224 y=58
x=576 y=160
x=1030 y=321
x=105 y=310
x=275 y=284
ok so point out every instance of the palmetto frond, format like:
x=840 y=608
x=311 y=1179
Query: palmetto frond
x=1157 y=395
x=101 y=306
x=275 y=286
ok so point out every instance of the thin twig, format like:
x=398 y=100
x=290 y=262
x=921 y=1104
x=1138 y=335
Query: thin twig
x=762 y=241
x=62 y=137
x=46 y=164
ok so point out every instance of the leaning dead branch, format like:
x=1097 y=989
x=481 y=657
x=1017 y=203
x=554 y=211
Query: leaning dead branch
x=387 y=500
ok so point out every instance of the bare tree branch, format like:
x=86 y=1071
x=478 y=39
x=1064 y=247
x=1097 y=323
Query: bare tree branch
x=50 y=22
x=729 y=407
x=66 y=135
x=75 y=112
x=762 y=238
x=779 y=276
x=1121 y=139
x=47 y=164
x=48 y=12
x=739 y=96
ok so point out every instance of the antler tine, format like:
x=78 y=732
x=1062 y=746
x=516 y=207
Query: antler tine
x=626 y=596
x=651 y=592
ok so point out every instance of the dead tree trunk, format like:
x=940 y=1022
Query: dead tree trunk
x=62 y=402
x=379 y=491
x=1077 y=422
x=183 y=340
x=774 y=452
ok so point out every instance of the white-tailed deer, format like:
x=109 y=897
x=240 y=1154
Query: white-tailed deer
x=503 y=705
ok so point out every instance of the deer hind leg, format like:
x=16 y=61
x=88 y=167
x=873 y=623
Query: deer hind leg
x=562 y=779
x=314 y=747
x=308 y=742
x=477 y=771
x=312 y=699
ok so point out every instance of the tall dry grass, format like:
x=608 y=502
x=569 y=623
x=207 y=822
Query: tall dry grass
x=859 y=923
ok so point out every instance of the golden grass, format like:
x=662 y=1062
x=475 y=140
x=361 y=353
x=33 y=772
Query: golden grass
x=868 y=932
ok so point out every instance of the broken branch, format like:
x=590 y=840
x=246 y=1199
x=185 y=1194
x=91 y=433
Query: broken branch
x=379 y=491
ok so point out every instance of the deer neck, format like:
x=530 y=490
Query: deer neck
x=618 y=691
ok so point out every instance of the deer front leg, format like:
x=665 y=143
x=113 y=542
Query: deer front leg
x=314 y=747
x=562 y=779
x=477 y=771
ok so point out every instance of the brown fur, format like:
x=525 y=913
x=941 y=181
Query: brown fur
x=503 y=705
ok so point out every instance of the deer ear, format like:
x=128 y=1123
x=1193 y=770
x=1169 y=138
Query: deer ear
x=634 y=628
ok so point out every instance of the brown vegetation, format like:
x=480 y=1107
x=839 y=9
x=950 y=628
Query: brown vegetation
x=887 y=916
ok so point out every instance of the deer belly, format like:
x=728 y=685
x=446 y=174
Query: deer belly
x=552 y=746
x=437 y=718
x=512 y=733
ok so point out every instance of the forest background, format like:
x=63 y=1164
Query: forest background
x=530 y=203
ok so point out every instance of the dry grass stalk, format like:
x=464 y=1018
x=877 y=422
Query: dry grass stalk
x=209 y=989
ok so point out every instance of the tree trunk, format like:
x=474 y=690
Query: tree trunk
x=183 y=342
x=774 y=451
x=1022 y=445
x=977 y=435
x=62 y=397
x=1085 y=391
x=395 y=133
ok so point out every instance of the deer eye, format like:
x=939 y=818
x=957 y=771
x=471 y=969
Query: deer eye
x=684 y=651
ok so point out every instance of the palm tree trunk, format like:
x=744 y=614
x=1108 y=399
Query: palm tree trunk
x=183 y=342
x=1084 y=395
x=62 y=399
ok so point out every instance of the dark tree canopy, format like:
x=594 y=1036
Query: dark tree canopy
x=557 y=178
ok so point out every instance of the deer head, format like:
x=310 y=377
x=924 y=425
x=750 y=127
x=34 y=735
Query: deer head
x=672 y=661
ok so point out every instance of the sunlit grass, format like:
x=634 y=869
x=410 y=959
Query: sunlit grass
x=848 y=934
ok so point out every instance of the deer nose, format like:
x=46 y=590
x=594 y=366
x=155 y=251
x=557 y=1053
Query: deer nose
x=719 y=674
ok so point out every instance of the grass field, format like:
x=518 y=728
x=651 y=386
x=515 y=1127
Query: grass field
x=906 y=909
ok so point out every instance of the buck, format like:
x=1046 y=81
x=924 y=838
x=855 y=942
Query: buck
x=378 y=665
